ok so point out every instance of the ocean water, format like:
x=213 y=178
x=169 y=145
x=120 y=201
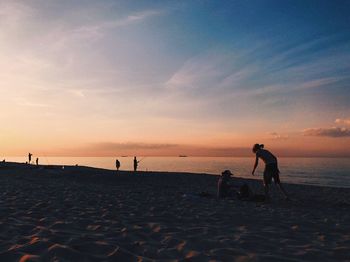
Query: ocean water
x=333 y=172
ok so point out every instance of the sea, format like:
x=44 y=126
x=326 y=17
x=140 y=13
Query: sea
x=333 y=172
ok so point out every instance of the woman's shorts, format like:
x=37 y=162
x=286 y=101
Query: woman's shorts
x=271 y=171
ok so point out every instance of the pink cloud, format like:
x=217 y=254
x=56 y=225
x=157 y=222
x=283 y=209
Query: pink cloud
x=277 y=136
x=327 y=132
x=342 y=121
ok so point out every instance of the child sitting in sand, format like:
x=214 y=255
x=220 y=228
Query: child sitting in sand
x=238 y=191
x=225 y=189
x=271 y=169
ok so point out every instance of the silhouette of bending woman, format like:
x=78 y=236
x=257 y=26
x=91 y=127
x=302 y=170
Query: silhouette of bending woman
x=271 y=169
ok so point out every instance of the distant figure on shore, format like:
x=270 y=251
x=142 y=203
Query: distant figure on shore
x=37 y=161
x=117 y=164
x=271 y=169
x=30 y=157
x=136 y=163
x=225 y=188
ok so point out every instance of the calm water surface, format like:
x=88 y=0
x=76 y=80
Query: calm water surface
x=315 y=171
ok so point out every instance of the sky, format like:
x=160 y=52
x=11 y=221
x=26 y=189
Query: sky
x=201 y=78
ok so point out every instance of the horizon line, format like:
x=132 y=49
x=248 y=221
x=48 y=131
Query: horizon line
x=178 y=156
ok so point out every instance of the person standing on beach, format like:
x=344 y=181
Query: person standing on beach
x=37 y=161
x=29 y=157
x=136 y=163
x=117 y=164
x=271 y=169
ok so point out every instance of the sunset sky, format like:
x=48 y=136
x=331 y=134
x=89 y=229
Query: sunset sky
x=105 y=78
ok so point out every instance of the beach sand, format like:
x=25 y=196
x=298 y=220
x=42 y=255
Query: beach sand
x=89 y=214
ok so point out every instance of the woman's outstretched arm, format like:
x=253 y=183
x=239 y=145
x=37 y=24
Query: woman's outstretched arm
x=255 y=165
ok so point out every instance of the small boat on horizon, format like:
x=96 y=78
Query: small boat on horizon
x=182 y=156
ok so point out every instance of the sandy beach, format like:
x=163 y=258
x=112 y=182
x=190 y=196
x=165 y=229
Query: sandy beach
x=89 y=214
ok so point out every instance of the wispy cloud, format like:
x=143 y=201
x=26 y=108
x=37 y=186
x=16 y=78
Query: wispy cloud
x=200 y=71
x=277 y=136
x=132 y=18
x=110 y=146
x=61 y=60
x=99 y=28
x=316 y=83
x=13 y=14
x=63 y=35
x=222 y=82
x=77 y=93
x=26 y=103
x=335 y=132
x=153 y=149
x=224 y=71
